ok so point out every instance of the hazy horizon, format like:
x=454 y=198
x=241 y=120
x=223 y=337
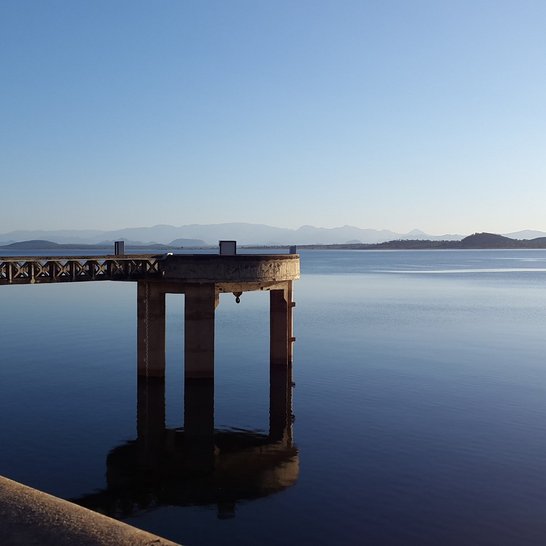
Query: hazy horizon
x=243 y=233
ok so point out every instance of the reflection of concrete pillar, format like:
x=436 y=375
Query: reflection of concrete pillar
x=199 y=407
x=151 y=329
x=150 y=417
x=280 y=404
x=200 y=303
x=199 y=425
x=280 y=329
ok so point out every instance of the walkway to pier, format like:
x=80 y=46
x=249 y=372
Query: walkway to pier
x=39 y=270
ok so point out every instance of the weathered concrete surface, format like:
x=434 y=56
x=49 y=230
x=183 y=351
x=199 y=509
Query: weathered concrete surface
x=191 y=268
x=30 y=517
x=280 y=326
x=201 y=301
x=151 y=329
x=208 y=268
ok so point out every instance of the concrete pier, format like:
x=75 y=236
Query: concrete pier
x=202 y=278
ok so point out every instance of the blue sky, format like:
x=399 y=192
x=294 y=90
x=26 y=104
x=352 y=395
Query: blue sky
x=382 y=114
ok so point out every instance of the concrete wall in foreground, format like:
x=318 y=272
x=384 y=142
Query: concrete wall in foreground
x=30 y=517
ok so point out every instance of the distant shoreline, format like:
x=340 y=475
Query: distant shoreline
x=483 y=241
x=49 y=245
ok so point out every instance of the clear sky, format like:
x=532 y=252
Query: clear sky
x=403 y=114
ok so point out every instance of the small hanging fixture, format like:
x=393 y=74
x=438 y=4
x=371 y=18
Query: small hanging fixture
x=237 y=297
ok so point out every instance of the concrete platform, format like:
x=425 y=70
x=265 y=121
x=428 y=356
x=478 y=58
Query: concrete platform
x=242 y=268
x=29 y=517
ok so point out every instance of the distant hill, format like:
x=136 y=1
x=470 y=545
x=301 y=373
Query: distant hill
x=475 y=241
x=188 y=243
x=39 y=244
x=526 y=234
x=488 y=240
x=491 y=240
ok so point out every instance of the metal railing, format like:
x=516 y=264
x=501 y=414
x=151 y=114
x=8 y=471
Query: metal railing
x=35 y=269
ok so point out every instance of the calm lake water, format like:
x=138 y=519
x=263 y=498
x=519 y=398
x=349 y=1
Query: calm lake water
x=419 y=402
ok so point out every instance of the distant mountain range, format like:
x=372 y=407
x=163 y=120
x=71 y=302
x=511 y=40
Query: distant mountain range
x=476 y=241
x=244 y=234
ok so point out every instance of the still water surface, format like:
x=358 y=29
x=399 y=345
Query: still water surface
x=420 y=399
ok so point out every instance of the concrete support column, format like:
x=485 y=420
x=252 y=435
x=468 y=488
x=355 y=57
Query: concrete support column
x=280 y=326
x=151 y=329
x=200 y=304
x=280 y=404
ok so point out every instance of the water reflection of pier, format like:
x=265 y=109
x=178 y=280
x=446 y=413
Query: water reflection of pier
x=196 y=464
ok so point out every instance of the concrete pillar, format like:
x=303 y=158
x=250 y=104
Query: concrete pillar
x=151 y=329
x=280 y=326
x=280 y=404
x=200 y=303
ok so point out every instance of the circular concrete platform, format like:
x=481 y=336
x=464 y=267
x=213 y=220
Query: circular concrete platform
x=242 y=268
